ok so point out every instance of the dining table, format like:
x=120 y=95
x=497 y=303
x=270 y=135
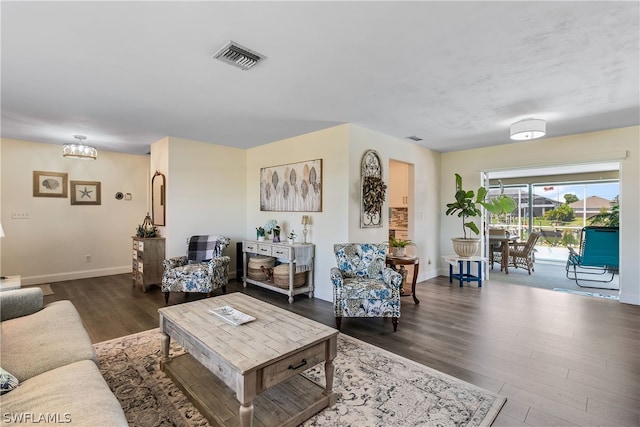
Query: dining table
x=504 y=242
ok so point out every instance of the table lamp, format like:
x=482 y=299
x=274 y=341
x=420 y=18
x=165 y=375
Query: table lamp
x=306 y=219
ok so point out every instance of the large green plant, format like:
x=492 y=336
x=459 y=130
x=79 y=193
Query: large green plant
x=468 y=205
x=607 y=219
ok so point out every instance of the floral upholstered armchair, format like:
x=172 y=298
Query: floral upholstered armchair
x=362 y=284
x=204 y=269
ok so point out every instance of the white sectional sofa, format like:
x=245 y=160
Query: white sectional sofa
x=49 y=351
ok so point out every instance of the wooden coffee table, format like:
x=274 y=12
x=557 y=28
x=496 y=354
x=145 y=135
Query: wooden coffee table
x=257 y=364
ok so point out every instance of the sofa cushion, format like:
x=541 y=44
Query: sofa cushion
x=75 y=394
x=7 y=381
x=48 y=339
x=20 y=302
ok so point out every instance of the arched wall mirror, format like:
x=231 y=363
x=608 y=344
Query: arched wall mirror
x=158 y=199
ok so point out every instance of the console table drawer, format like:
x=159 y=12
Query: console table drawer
x=279 y=371
x=281 y=252
x=251 y=247
x=264 y=250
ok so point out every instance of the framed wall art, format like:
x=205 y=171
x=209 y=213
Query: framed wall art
x=85 y=192
x=49 y=184
x=294 y=187
x=373 y=190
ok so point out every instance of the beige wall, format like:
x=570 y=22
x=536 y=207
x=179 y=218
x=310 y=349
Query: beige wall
x=424 y=215
x=215 y=189
x=341 y=149
x=617 y=144
x=52 y=244
x=206 y=185
x=330 y=225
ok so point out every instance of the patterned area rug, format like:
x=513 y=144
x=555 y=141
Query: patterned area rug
x=374 y=388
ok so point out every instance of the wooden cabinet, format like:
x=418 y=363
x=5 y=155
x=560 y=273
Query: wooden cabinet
x=292 y=254
x=398 y=184
x=148 y=254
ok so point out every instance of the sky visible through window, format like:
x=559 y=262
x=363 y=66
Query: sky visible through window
x=556 y=192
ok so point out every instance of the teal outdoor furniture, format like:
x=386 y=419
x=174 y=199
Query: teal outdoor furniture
x=598 y=259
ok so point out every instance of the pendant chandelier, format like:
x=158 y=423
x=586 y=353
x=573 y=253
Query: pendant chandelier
x=79 y=150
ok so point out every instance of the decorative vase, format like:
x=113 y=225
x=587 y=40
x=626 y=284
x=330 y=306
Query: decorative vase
x=399 y=252
x=465 y=248
x=276 y=236
x=260 y=238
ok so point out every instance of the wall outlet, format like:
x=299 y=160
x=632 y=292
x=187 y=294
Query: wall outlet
x=20 y=215
x=87 y=258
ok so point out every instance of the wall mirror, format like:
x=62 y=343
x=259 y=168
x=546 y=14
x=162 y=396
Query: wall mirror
x=158 y=199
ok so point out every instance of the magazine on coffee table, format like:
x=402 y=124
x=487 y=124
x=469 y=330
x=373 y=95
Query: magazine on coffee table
x=231 y=315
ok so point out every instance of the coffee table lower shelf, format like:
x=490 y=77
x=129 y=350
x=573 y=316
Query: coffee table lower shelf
x=286 y=404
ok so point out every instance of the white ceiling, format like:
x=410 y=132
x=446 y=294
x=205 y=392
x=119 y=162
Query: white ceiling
x=456 y=74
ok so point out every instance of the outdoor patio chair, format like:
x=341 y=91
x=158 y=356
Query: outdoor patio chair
x=496 y=240
x=598 y=259
x=521 y=254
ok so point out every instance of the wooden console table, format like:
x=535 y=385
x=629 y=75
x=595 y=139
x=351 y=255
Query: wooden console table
x=285 y=253
x=394 y=262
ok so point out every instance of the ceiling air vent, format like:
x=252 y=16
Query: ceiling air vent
x=414 y=138
x=239 y=56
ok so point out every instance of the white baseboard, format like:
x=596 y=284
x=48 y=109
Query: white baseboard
x=73 y=275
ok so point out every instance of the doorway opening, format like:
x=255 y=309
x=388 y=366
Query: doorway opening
x=400 y=199
x=556 y=203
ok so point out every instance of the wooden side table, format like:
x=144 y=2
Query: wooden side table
x=394 y=262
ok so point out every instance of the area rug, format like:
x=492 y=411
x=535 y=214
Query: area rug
x=46 y=289
x=374 y=388
x=588 y=294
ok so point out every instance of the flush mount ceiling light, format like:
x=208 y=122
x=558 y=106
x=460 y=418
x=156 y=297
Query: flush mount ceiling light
x=79 y=150
x=239 y=56
x=528 y=129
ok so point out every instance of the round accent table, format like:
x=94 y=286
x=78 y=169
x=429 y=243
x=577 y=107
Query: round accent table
x=395 y=262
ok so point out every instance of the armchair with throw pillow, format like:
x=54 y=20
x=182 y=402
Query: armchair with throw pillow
x=204 y=269
x=363 y=286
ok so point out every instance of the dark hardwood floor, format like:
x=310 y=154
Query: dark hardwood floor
x=560 y=359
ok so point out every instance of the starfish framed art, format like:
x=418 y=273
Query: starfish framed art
x=85 y=193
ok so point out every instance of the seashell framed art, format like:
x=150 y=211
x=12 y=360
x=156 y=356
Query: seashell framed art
x=49 y=184
x=294 y=187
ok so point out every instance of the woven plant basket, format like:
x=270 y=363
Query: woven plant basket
x=281 y=277
x=255 y=266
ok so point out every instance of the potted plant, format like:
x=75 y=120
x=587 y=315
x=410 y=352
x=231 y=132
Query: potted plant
x=260 y=233
x=467 y=205
x=399 y=246
x=291 y=238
